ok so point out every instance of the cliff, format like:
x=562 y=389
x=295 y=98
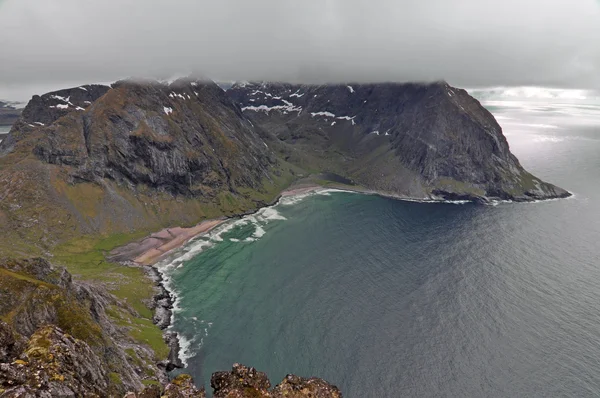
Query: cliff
x=410 y=140
x=139 y=155
x=56 y=338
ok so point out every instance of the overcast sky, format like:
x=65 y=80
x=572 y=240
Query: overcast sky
x=48 y=44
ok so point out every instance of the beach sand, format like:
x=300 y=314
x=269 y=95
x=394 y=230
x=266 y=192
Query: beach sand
x=150 y=249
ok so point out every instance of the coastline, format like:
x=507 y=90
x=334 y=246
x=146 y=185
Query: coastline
x=146 y=252
x=151 y=249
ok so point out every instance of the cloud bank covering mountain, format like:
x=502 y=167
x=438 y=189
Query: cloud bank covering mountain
x=472 y=43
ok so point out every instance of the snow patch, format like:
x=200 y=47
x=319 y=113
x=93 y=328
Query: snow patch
x=327 y=114
x=351 y=89
x=82 y=88
x=168 y=110
x=347 y=118
x=63 y=99
x=176 y=95
x=288 y=107
x=297 y=94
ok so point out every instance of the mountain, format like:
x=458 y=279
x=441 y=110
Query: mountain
x=422 y=141
x=134 y=155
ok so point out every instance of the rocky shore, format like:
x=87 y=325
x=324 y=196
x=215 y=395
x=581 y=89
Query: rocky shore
x=60 y=343
x=244 y=382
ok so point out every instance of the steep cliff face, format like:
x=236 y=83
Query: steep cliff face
x=140 y=154
x=186 y=138
x=415 y=140
x=57 y=340
x=46 y=109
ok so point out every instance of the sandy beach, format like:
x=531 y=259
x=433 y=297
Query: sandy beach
x=154 y=247
x=150 y=249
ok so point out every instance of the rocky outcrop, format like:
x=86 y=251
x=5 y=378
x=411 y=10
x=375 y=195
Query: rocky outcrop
x=185 y=138
x=412 y=140
x=53 y=364
x=44 y=110
x=247 y=382
x=57 y=340
x=47 y=108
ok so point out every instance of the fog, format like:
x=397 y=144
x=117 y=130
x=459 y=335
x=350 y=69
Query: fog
x=49 y=44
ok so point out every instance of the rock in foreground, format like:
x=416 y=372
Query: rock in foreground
x=245 y=382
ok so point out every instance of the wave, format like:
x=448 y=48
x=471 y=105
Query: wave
x=185 y=348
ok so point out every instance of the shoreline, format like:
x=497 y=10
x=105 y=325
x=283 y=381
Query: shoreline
x=151 y=249
x=147 y=251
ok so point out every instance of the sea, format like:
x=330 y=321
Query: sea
x=388 y=298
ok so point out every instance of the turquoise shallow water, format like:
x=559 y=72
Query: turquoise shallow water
x=387 y=298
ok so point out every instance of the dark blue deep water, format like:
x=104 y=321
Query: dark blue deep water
x=386 y=298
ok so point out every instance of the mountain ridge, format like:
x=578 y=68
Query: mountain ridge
x=442 y=142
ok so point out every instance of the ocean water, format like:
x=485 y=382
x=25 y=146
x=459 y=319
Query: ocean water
x=386 y=298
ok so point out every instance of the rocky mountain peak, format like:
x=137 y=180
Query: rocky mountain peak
x=413 y=140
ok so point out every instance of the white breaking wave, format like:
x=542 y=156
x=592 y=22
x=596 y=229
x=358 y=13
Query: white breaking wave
x=259 y=232
x=185 y=348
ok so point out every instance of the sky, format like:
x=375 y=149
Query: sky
x=49 y=44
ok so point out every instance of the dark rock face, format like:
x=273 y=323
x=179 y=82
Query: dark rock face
x=53 y=364
x=44 y=110
x=241 y=380
x=47 y=108
x=298 y=387
x=415 y=140
x=58 y=340
x=245 y=382
x=186 y=138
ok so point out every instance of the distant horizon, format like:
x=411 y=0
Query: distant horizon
x=22 y=94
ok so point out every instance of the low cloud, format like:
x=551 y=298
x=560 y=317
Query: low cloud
x=471 y=43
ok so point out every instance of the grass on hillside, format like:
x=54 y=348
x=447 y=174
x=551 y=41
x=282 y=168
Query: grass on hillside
x=85 y=257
